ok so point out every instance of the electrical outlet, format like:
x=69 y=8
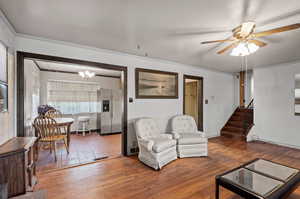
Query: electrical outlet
x=134 y=150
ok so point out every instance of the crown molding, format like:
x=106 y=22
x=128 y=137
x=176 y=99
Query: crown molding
x=7 y=22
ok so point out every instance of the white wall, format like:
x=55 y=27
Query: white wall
x=31 y=95
x=274 y=117
x=7 y=119
x=218 y=87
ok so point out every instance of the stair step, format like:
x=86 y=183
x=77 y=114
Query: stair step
x=243 y=114
x=236 y=118
x=245 y=110
x=234 y=129
x=237 y=123
x=233 y=135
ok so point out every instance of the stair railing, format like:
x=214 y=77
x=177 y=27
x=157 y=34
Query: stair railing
x=250 y=105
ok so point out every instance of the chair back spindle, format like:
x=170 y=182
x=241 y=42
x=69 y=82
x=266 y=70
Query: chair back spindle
x=53 y=113
x=46 y=127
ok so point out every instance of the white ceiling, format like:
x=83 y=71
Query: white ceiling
x=56 y=66
x=168 y=29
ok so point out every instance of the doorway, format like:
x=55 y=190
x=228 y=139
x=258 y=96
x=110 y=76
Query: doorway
x=55 y=81
x=193 y=98
x=245 y=88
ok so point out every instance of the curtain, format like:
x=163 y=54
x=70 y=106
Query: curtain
x=73 y=97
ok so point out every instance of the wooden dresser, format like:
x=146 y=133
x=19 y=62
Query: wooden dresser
x=17 y=164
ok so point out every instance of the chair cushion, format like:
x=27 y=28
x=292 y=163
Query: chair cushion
x=191 y=138
x=146 y=128
x=161 y=144
x=184 y=124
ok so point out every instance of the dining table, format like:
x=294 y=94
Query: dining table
x=66 y=123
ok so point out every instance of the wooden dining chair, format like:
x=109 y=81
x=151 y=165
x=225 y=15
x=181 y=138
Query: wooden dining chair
x=49 y=132
x=53 y=113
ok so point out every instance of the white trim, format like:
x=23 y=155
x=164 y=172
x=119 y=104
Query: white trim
x=280 y=64
x=75 y=82
x=277 y=143
x=9 y=25
x=213 y=135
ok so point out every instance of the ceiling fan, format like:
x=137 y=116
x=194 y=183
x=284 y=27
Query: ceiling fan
x=244 y=40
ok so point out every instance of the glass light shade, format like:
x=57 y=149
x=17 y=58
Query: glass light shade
x=81 y=74
x=252 y=47
x=86 y=74
x=244 y=49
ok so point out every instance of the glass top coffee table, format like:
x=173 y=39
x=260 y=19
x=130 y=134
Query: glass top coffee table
x=259 y=179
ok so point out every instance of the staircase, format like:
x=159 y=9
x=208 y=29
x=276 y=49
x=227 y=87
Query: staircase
x=239 y=124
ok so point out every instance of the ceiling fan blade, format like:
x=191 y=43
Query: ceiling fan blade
x=276 y=30
x=227 y=48
x=216 y=41
x=257 y=42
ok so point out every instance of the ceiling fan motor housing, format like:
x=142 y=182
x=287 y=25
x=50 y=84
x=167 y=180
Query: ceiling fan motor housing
x=244 y=30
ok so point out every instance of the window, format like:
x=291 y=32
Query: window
x=73 y=97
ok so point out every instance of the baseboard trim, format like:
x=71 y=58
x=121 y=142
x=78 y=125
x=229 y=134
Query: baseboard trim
x=110 y=133
x=92 y=130
x=278 y=143
x=213 y=136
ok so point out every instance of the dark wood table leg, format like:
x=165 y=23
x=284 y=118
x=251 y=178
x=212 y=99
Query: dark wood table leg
x=217 y=189
x=68 y=135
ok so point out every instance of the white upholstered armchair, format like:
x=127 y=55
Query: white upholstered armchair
x=190 y=141
x=156 y=149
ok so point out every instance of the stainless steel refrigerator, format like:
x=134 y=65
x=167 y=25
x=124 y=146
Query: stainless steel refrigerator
x=110 y=110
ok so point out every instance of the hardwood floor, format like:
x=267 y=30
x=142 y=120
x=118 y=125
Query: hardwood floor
x=190 y=178
x=83 y=149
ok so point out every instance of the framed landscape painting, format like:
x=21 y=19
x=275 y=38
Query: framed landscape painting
x=3 y=98
x=154 y=84
x=3 y=63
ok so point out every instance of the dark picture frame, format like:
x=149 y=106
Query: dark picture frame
x=297 y=94
x=3 y=64
x=3 y=97
x=155 y=84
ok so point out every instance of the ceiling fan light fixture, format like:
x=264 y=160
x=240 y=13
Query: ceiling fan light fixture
x=244 y=49
x=240 y=50
x=86 y=74
x=252 y=47
x=247 y=28
x=81 y=74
